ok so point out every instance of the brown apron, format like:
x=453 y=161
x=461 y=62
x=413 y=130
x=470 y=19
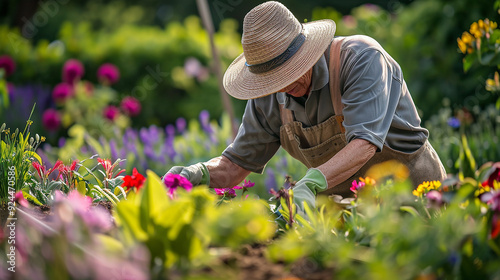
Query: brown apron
x=315 y=145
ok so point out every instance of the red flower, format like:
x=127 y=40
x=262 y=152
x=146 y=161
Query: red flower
x=134 y=181
x=494 y=176
x=109 y=168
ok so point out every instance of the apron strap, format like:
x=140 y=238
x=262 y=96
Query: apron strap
x=334 y=65
x=334 y=69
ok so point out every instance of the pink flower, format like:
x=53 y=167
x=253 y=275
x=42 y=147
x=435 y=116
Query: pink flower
x=8 y=64
x=131 y=106
x=19 y=198
x=51 y=119
x=72 y=71
x=246 y=185
x=355 y=186
x=173 y=181
x=111 y=112
x=225 y=192
x=62 y=92
x=108 y=74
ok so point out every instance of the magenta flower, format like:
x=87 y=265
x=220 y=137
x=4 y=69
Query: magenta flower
x=355 y=186
x=246 y=185
x=62 y=92
x=225 y=192
x=435 y=199
x=8 y=64
x=131 y=106
x=108 y=74
x=111 y=112
x=72 y=71
x=51 y=119
x=174 y=181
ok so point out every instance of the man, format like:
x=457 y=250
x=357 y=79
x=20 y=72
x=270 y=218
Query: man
x=339 y=105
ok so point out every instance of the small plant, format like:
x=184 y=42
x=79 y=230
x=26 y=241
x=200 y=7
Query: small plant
x=17 y=151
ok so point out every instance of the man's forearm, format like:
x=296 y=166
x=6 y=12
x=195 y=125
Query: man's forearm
x=224 y=173
x=347 y=161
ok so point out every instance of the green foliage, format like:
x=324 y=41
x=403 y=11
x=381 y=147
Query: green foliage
x=177 y=232
x=481 y=129
x=152 y=72
x=388 y=234
x=17 y=151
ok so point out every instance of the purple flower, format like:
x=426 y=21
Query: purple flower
x=180 y=123
x=72 y=71
x=204 y=117
x=454 y=122
x=8 y=64
x=108 y=74
x=174 y=181
x=62 y=92
x=270 y=181
x=131 y=106
x=225 y=192
x=10 y=90
x=61 y=142
x=170 y=130
x=111 y=112
x=51 y=119
x=113 y=150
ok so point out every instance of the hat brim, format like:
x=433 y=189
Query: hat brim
x=240 y=83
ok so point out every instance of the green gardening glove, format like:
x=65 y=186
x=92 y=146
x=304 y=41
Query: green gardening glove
x=197 y=174
x=305 y=189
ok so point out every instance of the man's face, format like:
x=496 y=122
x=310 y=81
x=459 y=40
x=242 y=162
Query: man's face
x=301 y=86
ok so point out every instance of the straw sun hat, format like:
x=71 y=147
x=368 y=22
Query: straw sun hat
x=277 y=50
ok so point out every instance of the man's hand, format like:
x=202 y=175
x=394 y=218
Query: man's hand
x=305 y=189
x=197 y=174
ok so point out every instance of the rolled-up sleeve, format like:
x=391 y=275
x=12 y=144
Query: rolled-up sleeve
x=258 y=136
x=370 y=96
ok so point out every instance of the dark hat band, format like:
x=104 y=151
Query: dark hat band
x=280 y=59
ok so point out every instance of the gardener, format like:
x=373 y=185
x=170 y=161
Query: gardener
x=339 y=105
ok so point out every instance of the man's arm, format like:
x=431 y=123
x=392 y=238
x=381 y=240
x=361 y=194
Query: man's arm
x=347 y=161
x=224 y=173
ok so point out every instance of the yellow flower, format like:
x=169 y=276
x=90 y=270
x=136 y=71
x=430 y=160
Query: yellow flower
x=462 y=45
x=425 y=187
x=368 y=181
x=43 y=139
x=493 y=84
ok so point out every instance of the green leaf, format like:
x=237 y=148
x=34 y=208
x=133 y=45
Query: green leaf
x=154 y=199
x=35 y=155
x=498 y=103
x=468 y=61
x=31 y=198
x=81 y=187
x=410 y=210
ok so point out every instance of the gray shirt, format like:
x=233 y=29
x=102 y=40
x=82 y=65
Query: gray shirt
x=377 y=107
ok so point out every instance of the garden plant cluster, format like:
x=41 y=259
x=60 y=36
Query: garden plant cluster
x=93 y=203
